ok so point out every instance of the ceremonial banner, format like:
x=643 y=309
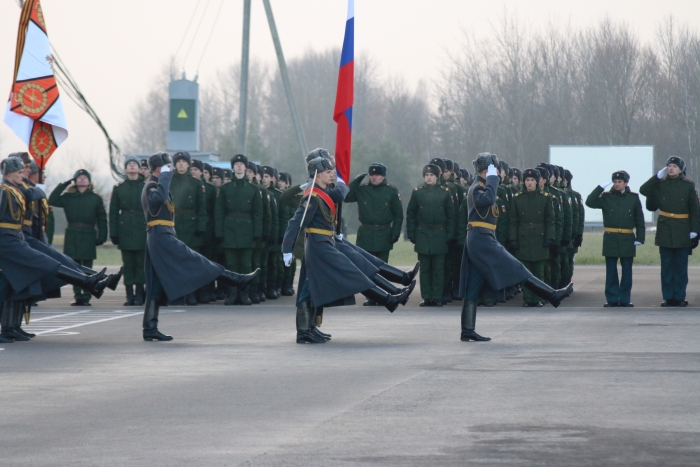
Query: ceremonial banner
x=344 y=98
x=34 y=110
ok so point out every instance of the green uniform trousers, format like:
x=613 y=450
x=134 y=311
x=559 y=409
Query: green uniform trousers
x=432 y=276
x=256 y=262
x=134 y=272
x=552 y=271
x=564 y=266
x=383 y=255
x=272 y=265
x=537 y=270
x=78 y=293
x=239 y=260
x=674 y=272
x=264 y=266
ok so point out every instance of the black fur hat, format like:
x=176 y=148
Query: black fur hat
x=621 y=175
x=377 y=169
x=676 y=160
x=532 y=173
x=239 y=158
x=182 y=155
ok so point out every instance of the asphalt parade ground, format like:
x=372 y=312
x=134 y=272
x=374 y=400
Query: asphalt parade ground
x=577 y=386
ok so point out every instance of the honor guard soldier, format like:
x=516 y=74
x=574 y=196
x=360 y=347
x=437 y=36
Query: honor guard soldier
x=380 y=212
x=127 y=227
x=677 y=226
x=173 y=270
x=238 y=215
x=284 y=214
x=430 y=225
x=531 y=229
x=268 y=279
x=85 y=212
x=623 y=220
x=484 y=259
x=190 y=199
x=198 y=170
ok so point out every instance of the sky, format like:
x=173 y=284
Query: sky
x=114 y=49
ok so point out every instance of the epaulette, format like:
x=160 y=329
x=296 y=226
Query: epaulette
x=392 y=186
x=606 y=193
x=447 y=189
x=118 y=184
x=634 y=193
x=153 y=181
x=686 y=180
x=544 y=193
x=481 y=184
x=517 y=194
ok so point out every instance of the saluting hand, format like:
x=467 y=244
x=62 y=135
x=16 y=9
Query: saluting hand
x=662 y=173
x=287 y=257
x=360 y=177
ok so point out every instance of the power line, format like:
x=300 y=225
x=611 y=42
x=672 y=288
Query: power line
x=187 y=30
x=196 y=33
x=211 y=33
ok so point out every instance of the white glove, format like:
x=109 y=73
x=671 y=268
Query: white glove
x=637 y=243
x=164 y=169
x=693 y=235
x=662 y=173
x=41 y=186
x=288 y=257
x=605 y=185
x=303 y=187
x=491 y=170
x=339 y=236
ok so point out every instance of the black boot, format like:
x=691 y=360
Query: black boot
x=261 y=292
x=304 y=333
x=150 y=324
x=220 y=290
x=129 y=295
x=91 y=284
x=469 y=322
x=397 y=275
x=446 y=294
x=278 y=289
x=139 y=295
x=391 y=289
x=113 y=279
x=545 y=292
x=12 y=316
x=235 y=280
x=390 y=302
x=21 y=309
x=6 y=323
x=203 y=295
x=191 y=299
x=287 y=287
x=315 y=313
x=243 y=295
x=253 y=294
x=232 y=298
x=271 y=292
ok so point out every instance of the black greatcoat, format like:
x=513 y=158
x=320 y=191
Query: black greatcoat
x=481 y=249
x=170 y=264
x=330 y=274
x=23 y=266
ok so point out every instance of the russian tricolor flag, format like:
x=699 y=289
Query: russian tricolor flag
x=344 y=97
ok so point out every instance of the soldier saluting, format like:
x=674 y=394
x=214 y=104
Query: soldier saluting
x=622 y=215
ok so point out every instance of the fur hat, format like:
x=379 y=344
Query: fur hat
x=144 y=163
x=483 y=160
x=239 y=158
x=82 y=172
x=568 y=175
x=228 y=173
x=207 y=167
x=33 y=168
x=182 y=155
x=286 y=178
x=432 y=169
x=158 y=159
x=320 y=164
x=377 y=169
x=217 y=172
x=12 y=164
x=198 y=164
x=24 y=156
x=252 y=166
x=621 y=175
x=267 y=170
x=440 y=163
x=449 y=165
x=676 y=160
x=318 y=152
x=456 y=169
x=544 y=172
x=531 y=173
x=517 y=173
x=132 y=159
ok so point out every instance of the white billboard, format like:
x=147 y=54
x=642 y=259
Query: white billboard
x=593 y=165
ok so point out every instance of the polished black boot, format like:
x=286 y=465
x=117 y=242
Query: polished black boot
x=271 y=292
x=236 y=280
x=397 y=275
x=139 y=295
x=243 y=295
x=12 y=316
x=279 y=287
x=261 y=292
x=220 y=290
x=232 y=298
x=391 y=289
x=469 y=323
x=390 y=302
x=253 y=294
x=304 y=333
x=20 y=310
x=287 y=287
x=314 y=323
x=113 y=279
x=92 y=284
x=447 y=294
x=150 y=324
x=129 y=295
x=545 y=292
x=6 y=323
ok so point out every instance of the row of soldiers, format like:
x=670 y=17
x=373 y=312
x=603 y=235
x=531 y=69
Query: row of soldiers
x=436 y=224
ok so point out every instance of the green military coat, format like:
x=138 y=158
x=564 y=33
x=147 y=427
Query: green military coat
x=620 y=211
x=283 y=214
x=273 y=246
x=674 y=196
x=455 y=192
x=126 y=219
x=210 y=196
x=531 y=223
x=558 y=212
x=380 y=212
x=430 y=219
x=267 y=216
x=503 y=211
x=84 y=211
x=190 y=199
x=565 y=202
x=238 y=214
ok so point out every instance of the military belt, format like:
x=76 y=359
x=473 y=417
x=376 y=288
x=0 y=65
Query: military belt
x=675 y=216
x=27 y=222
x=5 y=225
x=185 y=211
x=484 y=225
x=431 y=226
x=311 y=230
x=624 y=231
x=376 y=226
x=531 y=225
x=241 y=215
x=161 y=222
x=132 y=212
x=80 y=226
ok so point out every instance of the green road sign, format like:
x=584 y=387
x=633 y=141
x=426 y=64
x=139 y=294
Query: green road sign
x=182 y=114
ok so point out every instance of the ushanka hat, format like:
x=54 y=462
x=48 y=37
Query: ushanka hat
x=318 y=152
x=182 y=155
x=12 y=164
x=518 y=173
x=531 y=173
x=544 y=172
x=440 y=163
x=621 y=175
x=198 y=164
x=239 y=158
x=217 y=172
x=158 y=159
x=676 y=160
x=82 y=172
x=320 y=164
x=483 y=160
x=377 y=169
x=432 y=169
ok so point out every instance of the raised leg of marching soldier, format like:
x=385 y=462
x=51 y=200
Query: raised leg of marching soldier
x=82 y=297
x=239 y=259
x=134 y=277
x=537 y=270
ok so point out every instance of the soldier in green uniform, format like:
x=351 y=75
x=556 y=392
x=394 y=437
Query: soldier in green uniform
x=552 y=267
x=622 y=217
x=273 y=252
x=430 y=225
x=190 y=198
x=228 y=174
x=380 y=212
x=262 y=243
x=677 y=227
x=238 y=222
x=578 y=216
x=569 y=223
x=206 y=172
x=531 y=230
x=285 y=181
x=85 y=211
x=217 y=177
x=127 y=230
x=516 y=178
x=144 y=170
x=284 y=214
x=198 y=170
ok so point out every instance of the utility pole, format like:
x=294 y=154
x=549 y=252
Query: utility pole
x=243 y=105
x=285 y=79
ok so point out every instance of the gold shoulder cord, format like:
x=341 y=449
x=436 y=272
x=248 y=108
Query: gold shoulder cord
x=494 y=209
x=19 y=215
